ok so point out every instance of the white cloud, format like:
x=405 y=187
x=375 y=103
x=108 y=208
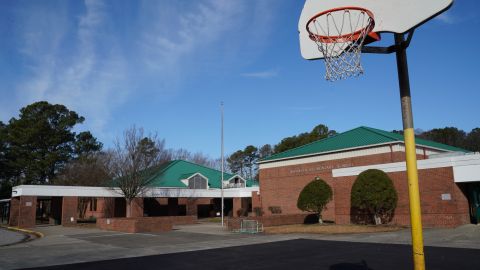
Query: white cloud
x=172 y=39
x=261 y=74
x=84 y=79
x=447 y=18
x=90 y=59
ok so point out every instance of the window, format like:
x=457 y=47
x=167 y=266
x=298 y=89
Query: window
x=197 y=182
x=93 y=204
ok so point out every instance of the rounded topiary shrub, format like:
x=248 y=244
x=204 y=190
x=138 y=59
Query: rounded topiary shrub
x=373 y=194
x=314 y=197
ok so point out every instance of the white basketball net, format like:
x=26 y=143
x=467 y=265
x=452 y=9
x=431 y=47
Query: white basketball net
x=340 y=35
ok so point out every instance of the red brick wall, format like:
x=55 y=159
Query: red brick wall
x=23 y=211
x=435 y=211
x=136 y=207
x=102 y=209
x=256 y=200
x=281 y=187
x=237 y=204
x=192 y=209
x=144 y=224
x=69 y=210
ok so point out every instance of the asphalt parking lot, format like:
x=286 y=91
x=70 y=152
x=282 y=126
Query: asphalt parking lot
x=8 y=237
x=208 y=246
x=296 y=254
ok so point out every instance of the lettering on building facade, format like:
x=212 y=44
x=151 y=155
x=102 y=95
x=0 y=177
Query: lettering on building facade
x=319 y=168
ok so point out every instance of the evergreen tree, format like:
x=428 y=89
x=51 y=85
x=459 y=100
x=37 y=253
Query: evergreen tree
x=373 y=192
x=314 y=197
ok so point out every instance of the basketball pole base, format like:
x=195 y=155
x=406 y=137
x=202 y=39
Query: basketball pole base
x=410 y=154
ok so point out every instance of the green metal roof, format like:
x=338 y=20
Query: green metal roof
x=171 y=173
x=357 y=137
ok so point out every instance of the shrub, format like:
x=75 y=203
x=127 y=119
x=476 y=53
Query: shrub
x=373 y=193
x=314 y=197
x=275 y=209
x=258 y=211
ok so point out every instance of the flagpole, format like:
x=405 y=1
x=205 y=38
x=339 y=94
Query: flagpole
x=221 y=184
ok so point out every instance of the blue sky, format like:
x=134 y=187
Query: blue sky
x=166 y=65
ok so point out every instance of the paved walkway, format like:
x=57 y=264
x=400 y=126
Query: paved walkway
x=67 y=245
x=8 y=237
x=466 y=236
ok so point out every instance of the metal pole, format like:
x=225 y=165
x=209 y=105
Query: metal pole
x=410 y=154
x=221 y=184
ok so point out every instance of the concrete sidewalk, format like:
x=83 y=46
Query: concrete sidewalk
x=466 y=236
x=66 y=245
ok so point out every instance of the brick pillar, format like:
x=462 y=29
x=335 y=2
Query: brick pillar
x=237 y=204
x=173 y=206
x=14 y=211
x=192 y=209
x=256 y=201
x=69 y=210
x=22 y=212
x=136 y=207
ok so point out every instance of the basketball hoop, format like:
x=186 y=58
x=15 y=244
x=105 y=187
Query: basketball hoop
x=340 y=34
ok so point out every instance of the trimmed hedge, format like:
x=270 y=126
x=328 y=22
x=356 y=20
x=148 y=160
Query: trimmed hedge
x=314 y=197
x=374 y=194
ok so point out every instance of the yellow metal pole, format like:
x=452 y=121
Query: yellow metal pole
x=410 y=154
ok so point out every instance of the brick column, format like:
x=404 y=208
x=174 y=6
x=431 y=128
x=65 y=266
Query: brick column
x=237 y=204
x=192 y=209
x=22 y=212
x=14 y=211
x=136 y=207
x=69 y=210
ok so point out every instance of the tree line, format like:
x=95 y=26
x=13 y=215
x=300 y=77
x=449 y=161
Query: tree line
x=244 y=162
x=42 y=147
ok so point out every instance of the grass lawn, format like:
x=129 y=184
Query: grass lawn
x=330 y=228
x=212 y=219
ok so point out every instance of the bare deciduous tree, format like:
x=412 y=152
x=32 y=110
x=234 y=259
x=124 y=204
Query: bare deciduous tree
x=133 y=161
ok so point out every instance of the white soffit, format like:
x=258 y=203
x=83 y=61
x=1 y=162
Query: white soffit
x=466 y=166
x=81 y=191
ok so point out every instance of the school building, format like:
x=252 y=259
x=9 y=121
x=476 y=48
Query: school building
x=449 y=177
x=179 y=191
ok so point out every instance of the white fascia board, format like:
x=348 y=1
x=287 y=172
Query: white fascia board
x=67 y=191
x=200 y=193
x=455 y=162
x=81 y=191
x=466 y=173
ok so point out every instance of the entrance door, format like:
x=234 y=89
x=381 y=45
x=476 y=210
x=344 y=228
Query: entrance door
x=44 y=211
x=474 y=201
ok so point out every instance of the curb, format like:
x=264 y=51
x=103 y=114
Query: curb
x=29 y=234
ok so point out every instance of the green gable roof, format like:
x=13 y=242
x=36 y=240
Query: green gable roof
x=358 y=137
x=171 y=173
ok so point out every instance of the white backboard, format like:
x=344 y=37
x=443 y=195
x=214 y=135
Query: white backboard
x=395 y=16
